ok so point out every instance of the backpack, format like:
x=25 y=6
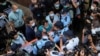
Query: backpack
x=48 y=45
x=16 y=48
x=28 y=48
x=41 y=52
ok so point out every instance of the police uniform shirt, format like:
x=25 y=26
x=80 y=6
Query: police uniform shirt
x=40 y=44
x=56 y=37
x=19 y=40
x=55 y=19
x=66 y=20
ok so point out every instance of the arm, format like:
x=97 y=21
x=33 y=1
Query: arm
x=34 y=40
x=83 y=35
x=47 y=53
x=91 y=42
x=50 y=37
x=61 y=43
x=58 y=48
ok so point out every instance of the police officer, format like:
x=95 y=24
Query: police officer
x=40 y=42
x=57 y=30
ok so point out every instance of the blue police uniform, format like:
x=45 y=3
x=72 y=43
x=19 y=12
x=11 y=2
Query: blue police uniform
x=40 y=44
x=66 y=20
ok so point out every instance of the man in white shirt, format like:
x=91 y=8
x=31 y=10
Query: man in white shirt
x=71 y=42
x=52 y=18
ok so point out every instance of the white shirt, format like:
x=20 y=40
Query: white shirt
x=95 y=30
x=56 y=18
x=76 y=41
x=70 y=45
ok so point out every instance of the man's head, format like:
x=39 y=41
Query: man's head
x=45 y=23
x=51 y=13
x=15 y=8
x=13 y=34
x=34 y=1
x=58 y=26
x=94 y=6
x=57 y=4
x=38 y=35
x=69 y=34
x=49 y=45
x=29 y=21
x=64 y=11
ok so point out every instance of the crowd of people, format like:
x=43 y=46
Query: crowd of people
x=56 y=28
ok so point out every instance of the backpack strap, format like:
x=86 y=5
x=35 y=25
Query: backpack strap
x=22 y=36
x=37 y=47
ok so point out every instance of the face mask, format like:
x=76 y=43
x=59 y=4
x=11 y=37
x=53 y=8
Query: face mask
x=51 y=15
x=65 y=6
x=63 y=16
x=57 y=6
x=45 y=37
x=4 y=3
x=17 y=10
x=33 y=24
x=92 y=8
x=91 y=17
x=17 y=37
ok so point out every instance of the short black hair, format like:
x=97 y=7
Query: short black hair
x=45 y=21
x=38 y=35
x=12 y=34
x=49 y=44
x=59 y=25
x=28 y=19
x=69 y=33
x=65 y=10
x=96 y=3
